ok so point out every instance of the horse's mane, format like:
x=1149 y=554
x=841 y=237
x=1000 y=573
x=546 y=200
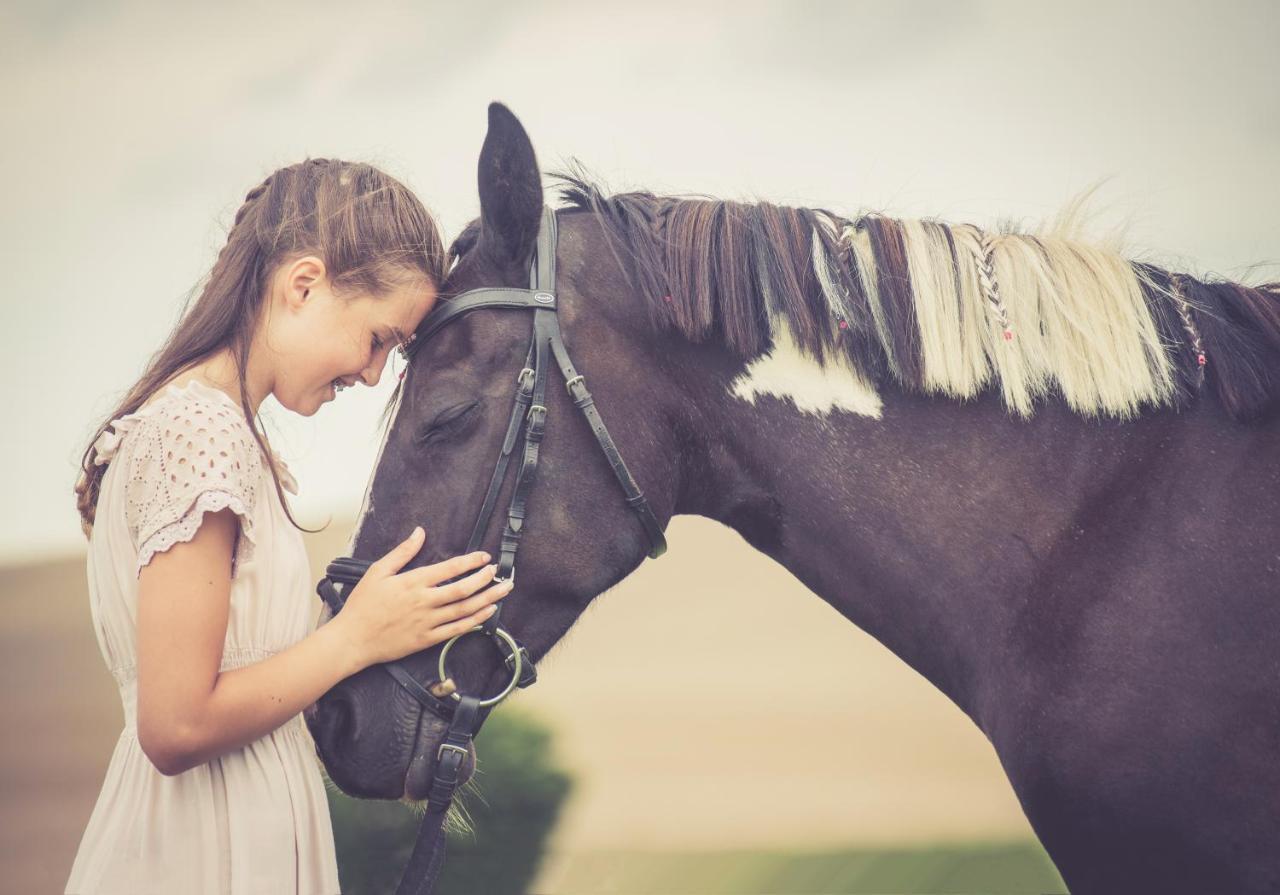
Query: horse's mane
x=944 y=308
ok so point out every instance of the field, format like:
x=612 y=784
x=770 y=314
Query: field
x=717 y=717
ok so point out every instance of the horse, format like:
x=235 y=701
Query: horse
x=1046 y=477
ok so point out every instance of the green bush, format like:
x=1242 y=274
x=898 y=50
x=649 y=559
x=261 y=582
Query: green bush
x=511 y=805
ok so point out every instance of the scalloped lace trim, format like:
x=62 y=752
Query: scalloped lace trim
x=184 y=529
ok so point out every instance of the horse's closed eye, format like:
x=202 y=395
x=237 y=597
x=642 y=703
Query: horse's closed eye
x=449 y=422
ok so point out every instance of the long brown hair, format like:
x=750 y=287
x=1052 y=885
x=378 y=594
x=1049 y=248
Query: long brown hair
x=369 y=228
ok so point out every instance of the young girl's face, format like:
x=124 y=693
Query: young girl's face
x=323 y=337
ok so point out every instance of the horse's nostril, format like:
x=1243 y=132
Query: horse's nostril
x=334 y=722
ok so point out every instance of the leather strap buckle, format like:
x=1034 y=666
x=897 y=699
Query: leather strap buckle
x=537 y=421
x=450 y=747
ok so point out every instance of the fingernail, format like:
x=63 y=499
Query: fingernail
x=484 y=557
x=417 y=531
x=492 y=567
x=490 y=609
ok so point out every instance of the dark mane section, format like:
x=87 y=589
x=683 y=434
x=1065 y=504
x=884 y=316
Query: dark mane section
x=1238 y=328
x=717 y=270
x=1241 y=327
x=722 y=270
x=893 y=279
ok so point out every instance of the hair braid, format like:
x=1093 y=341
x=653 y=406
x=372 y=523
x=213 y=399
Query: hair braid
x=250 y=201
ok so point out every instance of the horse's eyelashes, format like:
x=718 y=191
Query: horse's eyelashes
x=449 y=421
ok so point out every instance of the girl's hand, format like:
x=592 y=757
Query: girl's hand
x=389 y=616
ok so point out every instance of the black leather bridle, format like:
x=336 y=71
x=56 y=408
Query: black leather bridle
x=465 y=714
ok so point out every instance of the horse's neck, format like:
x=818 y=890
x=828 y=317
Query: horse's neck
x=927 y=528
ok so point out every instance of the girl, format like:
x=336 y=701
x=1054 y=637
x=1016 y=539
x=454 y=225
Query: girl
x=198 y=581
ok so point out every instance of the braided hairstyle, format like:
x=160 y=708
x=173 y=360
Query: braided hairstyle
x=371 y=231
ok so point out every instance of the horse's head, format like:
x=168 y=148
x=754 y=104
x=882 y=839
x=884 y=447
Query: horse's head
x=579 y=536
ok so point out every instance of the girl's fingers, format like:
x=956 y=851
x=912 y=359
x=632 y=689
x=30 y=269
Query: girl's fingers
x=429 y=576
x=400 y=554
x=464 y=587
x=477 y=603
x=461 y=626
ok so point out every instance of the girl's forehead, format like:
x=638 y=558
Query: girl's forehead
x=418 y=303
x=401 y=309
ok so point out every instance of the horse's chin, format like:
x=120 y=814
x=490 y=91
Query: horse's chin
x=417 y=779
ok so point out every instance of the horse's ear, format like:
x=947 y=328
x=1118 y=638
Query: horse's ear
x=510 y=188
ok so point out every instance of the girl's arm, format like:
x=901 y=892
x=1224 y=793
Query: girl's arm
x=189 y=713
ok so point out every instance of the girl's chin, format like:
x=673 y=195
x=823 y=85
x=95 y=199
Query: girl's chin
x=327 y=394
x=310 y=407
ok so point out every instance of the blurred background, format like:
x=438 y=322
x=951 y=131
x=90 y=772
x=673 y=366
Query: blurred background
x=133 y=130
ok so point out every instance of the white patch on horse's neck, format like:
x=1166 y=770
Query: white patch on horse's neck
x=787 y=372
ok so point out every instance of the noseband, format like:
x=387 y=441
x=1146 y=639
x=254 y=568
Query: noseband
x=529 y=412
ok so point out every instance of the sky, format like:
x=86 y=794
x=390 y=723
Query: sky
x=132 y=131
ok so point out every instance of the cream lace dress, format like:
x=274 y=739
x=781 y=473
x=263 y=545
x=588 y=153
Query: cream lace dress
x=255 y=820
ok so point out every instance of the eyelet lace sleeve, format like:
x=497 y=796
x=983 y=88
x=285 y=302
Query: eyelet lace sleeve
x=189 y=459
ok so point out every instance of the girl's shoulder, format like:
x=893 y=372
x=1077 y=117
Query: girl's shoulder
x=180 y=410
x=191 y=422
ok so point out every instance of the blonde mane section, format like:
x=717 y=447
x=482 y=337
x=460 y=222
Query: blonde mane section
x=956 y=335
x=1079 y=323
